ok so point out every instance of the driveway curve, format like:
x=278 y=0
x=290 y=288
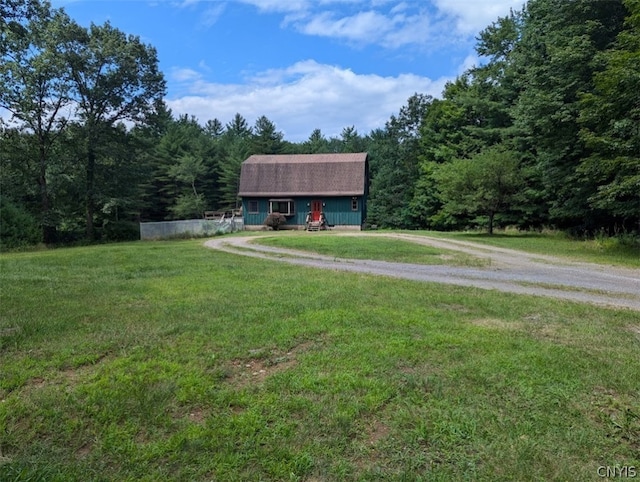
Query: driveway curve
x=509 y=270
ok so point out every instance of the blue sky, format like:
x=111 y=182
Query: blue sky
x=304 y=64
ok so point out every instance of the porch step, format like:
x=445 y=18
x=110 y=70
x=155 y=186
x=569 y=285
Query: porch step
x=314 y=226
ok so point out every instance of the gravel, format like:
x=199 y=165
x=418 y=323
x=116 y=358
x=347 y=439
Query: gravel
x=509 y=270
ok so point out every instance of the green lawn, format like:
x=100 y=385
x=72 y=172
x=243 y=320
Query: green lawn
x=370 y=247
x=169 y=361
x=604 y=250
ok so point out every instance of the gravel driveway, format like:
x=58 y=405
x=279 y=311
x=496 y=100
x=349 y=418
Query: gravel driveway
x=509 y=270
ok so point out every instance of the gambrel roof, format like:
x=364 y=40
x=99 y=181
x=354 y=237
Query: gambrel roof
x=304 y=175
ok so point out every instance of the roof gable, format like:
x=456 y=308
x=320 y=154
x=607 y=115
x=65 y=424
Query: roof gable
x=304 y=175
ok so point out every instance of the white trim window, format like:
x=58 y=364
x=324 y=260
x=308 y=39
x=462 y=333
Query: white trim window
x=282 y=206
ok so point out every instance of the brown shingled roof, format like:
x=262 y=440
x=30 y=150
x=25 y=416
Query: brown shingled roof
x=304 y=175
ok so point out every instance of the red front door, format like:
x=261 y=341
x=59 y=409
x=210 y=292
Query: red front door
x=316 y=209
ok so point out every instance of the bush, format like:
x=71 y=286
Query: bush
x=275 y=220
x=18 y=228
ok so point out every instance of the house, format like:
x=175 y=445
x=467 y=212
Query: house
x=321 y=190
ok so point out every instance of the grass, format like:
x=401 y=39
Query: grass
x=603 y=250
x=168 y=361
x=378 y=248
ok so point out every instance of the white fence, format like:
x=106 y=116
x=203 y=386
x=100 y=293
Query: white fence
x=189 y=227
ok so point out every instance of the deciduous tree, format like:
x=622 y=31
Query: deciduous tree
x=115 y=79
x=35 y=88
x=485 y=185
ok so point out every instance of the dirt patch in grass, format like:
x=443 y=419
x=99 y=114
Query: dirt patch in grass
x=197 y=415
x=74 y=373
x=371 y=452
x=262 y=363
x=84 y=451
x=37 y=382
x=70 y=375
x=377 y=431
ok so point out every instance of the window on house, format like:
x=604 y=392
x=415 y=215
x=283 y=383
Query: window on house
x=282 y=206
x=253 y=207
x=354 y=203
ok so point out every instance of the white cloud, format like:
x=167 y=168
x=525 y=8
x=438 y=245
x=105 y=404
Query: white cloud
x=359 y=27
x=184 y=75
x=397 y=28
x=305 y=96
x=212 y=14
x=303 y=5
x=279 y=5
x=399 y=7
x=204 y=66
x=393 y=24
x=472 y=16
x=187 y=3
x=389 y=23
x=469 y=62
x=417 y=29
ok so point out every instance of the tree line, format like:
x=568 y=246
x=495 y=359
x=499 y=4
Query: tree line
x=544 y=133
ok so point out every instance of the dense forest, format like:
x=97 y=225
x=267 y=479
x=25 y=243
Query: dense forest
x=544 y=133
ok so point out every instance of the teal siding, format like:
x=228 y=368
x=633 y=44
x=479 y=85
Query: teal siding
x=252 y=219
x=337 y=210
